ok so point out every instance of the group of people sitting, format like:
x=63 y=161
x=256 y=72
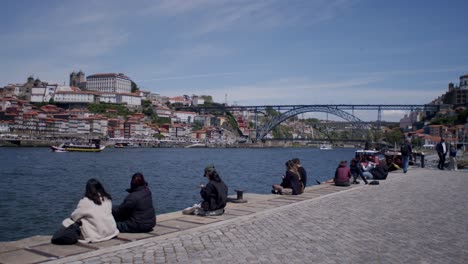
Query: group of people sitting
x=358 y=169
x=96 y=220
x=294 y=181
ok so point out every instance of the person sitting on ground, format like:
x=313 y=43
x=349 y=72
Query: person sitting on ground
x=380 y=171
x=342 y=175
x=302 y=172
x=92 y=219
x=366 y=168
x=291 y=183
x=214 y=195
x=136 y=214
x=356 y=171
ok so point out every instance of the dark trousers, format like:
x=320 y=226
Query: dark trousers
x=356 y=175
x=441 y=161
x=342 y=184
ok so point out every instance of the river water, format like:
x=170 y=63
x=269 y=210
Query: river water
x=40 y=188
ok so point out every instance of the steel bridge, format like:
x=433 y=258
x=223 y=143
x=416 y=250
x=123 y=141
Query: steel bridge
x=288 y=111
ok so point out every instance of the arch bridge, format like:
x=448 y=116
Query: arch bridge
x=288 y=111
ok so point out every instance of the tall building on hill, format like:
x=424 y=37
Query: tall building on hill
x=109 y=83
x=457 y=95
x=78 y=79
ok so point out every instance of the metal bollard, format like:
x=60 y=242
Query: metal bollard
x=240 y=198
x=422 y=160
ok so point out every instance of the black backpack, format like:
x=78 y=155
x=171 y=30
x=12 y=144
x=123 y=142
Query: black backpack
x=404 y=149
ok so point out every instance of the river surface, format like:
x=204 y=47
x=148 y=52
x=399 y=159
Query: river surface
x=40 y=188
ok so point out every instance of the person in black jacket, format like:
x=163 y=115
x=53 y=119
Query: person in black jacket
x=136 y=213
x=291 y=183
x=302 y=172
x=214 y=194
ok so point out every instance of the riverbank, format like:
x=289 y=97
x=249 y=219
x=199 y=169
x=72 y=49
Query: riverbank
x=172 y=144
x=326 y=223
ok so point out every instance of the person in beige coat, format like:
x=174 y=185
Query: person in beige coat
x=94 y=213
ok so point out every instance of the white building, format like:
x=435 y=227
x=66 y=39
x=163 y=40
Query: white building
x=4 y=127
x=185 y=117
x=109 y=83
x=464 y=81
x=74 y=97
x=128 y=98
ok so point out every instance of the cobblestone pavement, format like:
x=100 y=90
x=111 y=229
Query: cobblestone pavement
x=418 y=217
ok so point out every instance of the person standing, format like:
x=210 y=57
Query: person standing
x=136 y=214
x=441 y=149
x=453 y=157
x=406 y=151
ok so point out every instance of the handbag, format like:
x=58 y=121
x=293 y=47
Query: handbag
x=67 y=235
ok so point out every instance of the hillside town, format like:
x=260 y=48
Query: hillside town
x=111 y=106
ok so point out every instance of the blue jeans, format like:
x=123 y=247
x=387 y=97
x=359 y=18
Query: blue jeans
x=368 y=175
x=405 y=163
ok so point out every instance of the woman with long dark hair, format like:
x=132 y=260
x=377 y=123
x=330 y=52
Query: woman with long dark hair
x=136 y=214
x=291 y=183
x=92 y=218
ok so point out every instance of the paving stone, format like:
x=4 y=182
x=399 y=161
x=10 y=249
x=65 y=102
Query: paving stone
x=162 y=230
x=21 y=256
x=238 y=212
x=134 y=236
x=196 y=219
x=108 y=243
x=61 y=251
x=178 y=224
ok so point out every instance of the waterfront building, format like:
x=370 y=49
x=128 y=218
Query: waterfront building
x=5 y=126
x=109 y=83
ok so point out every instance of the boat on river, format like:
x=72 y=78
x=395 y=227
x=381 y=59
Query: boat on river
x=326 y=147
x=79 y=147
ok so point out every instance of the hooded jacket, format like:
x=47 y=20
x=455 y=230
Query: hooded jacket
x=137 y=210
x=214 y=195
x=342 y=174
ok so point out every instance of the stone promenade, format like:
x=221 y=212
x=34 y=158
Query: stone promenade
x=418 y=217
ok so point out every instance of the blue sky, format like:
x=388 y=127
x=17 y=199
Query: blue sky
x=250 y=52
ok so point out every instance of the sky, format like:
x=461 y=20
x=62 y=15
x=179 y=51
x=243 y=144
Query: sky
x=245 y=52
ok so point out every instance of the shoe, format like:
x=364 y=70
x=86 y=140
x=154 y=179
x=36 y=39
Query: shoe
x=318 y=182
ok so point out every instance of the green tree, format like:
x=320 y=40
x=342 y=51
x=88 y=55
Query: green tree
x=207 y=98
x=271 y=112
x=134 y=87
x=394 y=136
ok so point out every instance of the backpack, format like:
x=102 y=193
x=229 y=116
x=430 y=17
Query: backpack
x=404 y=149
x=453 y=152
